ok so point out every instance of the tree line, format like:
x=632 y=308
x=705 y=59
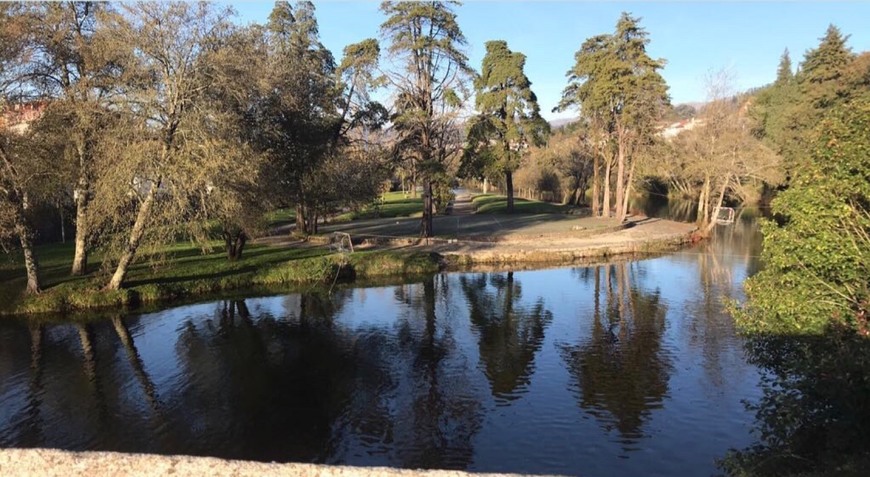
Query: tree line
x=161 y=121
x=158 y=121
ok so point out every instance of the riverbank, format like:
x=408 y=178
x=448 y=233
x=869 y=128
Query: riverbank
x=50 y=462
x=281 y=262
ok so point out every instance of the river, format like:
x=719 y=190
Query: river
x=628 y=368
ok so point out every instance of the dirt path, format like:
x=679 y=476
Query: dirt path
x=465 y=237
x=462 y=205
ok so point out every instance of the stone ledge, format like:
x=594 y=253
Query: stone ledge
x=58 y=463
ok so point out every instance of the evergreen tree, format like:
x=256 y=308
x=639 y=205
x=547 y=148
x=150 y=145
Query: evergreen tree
x=784 y=73
x=822 y=67
x=509 y=119
x=620 y=93
x=427 y=41
x=299 y=115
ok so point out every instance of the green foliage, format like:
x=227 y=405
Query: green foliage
x=789 y=110
x=614 y=79
x=784 y=73
x=509 y=118
x=817 y=250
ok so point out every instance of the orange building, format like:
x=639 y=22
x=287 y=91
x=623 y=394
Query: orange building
x=19 y=116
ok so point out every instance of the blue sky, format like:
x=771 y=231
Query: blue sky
x=745 y=37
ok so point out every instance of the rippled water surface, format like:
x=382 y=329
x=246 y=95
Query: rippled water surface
x=629 y=368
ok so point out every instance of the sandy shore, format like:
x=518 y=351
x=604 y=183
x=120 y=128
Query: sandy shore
x=56 y=463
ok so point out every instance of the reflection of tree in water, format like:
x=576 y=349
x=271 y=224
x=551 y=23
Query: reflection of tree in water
x=266 y=389
x=303 y=387
x=814 y=415
x=81 y=402
x=621 y=369
x=509 y=334
x=24 y=427
x=440 y=417
x=721 y=261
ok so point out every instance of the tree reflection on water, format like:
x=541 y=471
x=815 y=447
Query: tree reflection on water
x=814 y=414
x=620 y=370
x=509 y=333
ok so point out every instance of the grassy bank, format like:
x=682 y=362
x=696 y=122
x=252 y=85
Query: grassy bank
x=497 y=204
x=185 y=271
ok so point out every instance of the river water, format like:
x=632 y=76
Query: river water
x=627 y=368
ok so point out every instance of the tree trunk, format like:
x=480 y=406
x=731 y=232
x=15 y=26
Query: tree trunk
x=31 y=263
x=712 y=220
x=426 y=225
x=509 y=189
x=62 y=228
x=312 y=222
x=596 y=179
x=485 y=185
x=133 y=242
x=80 y=260
x=17 y=197
x=620 y=180
x=300 y=219
x=235 y=244
x=605 y=210
x=703 y=198
x=623 y=206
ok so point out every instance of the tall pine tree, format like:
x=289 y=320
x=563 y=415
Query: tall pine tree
x=617 y=87
x=509 y=118
x=427 y=42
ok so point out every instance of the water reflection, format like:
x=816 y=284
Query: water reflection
x=509 y=334
x=632 y=366
x=814 y=415
x=620 y=368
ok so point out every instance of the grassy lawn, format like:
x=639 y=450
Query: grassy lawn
x=281 y=217
x=497 y=204
x=393 y=204
x=184 y=270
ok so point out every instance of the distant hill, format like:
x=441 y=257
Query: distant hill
x=561 y=122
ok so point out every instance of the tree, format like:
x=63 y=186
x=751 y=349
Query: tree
x=298 y=120
x=787 y=111
x=240 y=188
x=562 y=169
x=163 y=95
x=22 y=169
x=617 y=87
x=721 y=154
x=76 y=70
x=509 y=119
x=426 y=42
x=823 y=67
x=817 y=250
x=784 y=74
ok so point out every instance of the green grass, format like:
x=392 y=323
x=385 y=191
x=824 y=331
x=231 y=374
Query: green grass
x=497 y=204
x=185 y=271
x=392 y=204
x=281 y=217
